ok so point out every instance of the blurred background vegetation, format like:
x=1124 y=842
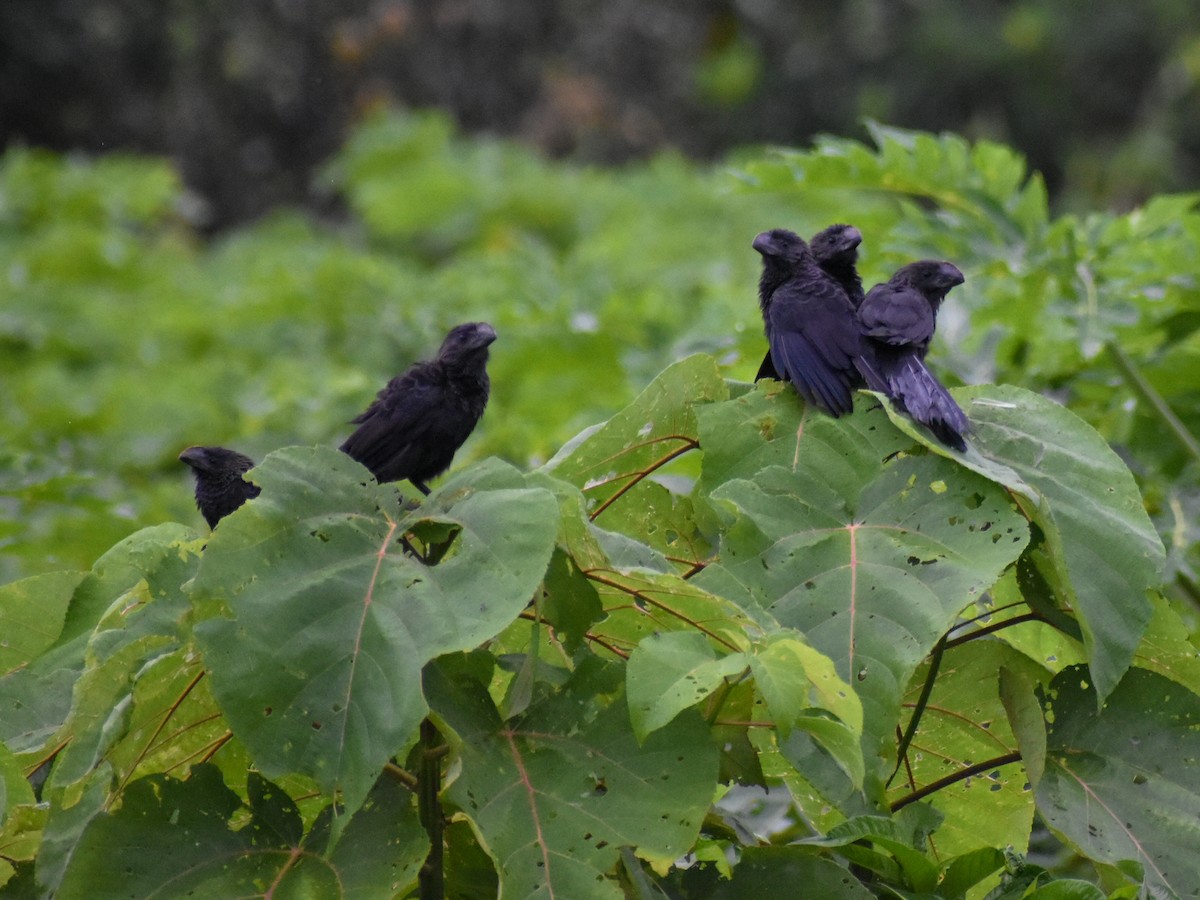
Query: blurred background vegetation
x=231 y=223
x=250 y=99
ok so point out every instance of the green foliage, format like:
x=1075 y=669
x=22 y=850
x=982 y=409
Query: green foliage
x=583 y=668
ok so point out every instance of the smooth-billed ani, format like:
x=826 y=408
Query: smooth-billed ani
x=812 y=331
x=422 y=416
x=899 y=317
x=836 y=251
x=220 y=488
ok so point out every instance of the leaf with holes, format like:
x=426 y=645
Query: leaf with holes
x=315 y=621
x=870 y=555
x=639 y=604
x=1123 y=783
x=770 y=426
x=669 y=524
x=1104 y=552
x=965 y=725
x=180 y=838
x=555 y=795
x=1166 y=648
x=135 y=641
x=653 y=430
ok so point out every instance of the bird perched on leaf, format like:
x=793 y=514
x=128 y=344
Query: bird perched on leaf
x=899 y=318
x=836 y=251
x=423 y=415
x=220 y=487
x=812 y=330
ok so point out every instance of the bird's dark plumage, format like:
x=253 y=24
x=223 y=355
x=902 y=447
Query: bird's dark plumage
x=220 y=488
x=812 y=330
x=836 y=251
x=899 y=318
x=420 y=419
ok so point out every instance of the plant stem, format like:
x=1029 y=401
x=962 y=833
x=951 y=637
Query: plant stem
x=935 y=661
x=431 y=879
x=993 y=628
x=1146 y=391
x=960 y=775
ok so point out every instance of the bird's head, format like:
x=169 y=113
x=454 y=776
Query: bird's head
x=931 y=277
x=781 y=246
x=216 y=460
x=471 y=339
x=836 y=244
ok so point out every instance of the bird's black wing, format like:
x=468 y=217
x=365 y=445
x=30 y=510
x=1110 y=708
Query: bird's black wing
x=901 y=320
x=814 y=341
x=898 y=316
x=395 y=430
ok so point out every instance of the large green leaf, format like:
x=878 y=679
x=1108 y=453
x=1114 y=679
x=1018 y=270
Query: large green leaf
x=137 y=638
x=869 y=554
x=1122 y=783
x=174 y=838
x=555 y=795
x=765 y=871
x=656 y=428
x=964 y=724
x=792 y=675
x=31 y=616
x=132 y=595
x=315 y=621
x=1103 y=548
x=667 y=673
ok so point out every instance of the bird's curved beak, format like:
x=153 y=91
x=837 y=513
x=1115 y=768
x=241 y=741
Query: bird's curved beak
x=194 y=457
x=763 y=243
x=485 y=334
x=853 y=236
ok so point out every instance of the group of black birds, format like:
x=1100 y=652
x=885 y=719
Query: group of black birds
x=411 y=431
x=825 y=336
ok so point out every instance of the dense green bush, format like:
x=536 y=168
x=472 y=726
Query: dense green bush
x=713 y=587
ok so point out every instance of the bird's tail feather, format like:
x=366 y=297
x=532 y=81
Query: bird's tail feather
x=923 y=397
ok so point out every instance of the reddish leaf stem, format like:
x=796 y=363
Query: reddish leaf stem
x=646 y=598
x=636 y=477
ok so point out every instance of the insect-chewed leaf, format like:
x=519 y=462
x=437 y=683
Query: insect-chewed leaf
x=555 y=795
x=965 y=719
x=769 y=427
x=315 y=620
x=870 y=556
x=1124 y=783
x=178 y=838
x=1101 y=542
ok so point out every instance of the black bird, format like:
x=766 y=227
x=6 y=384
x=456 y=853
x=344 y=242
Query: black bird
x=812 y=331
x=423 y=415
x=899 y=318
x=836 y=251
x=220 y=488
